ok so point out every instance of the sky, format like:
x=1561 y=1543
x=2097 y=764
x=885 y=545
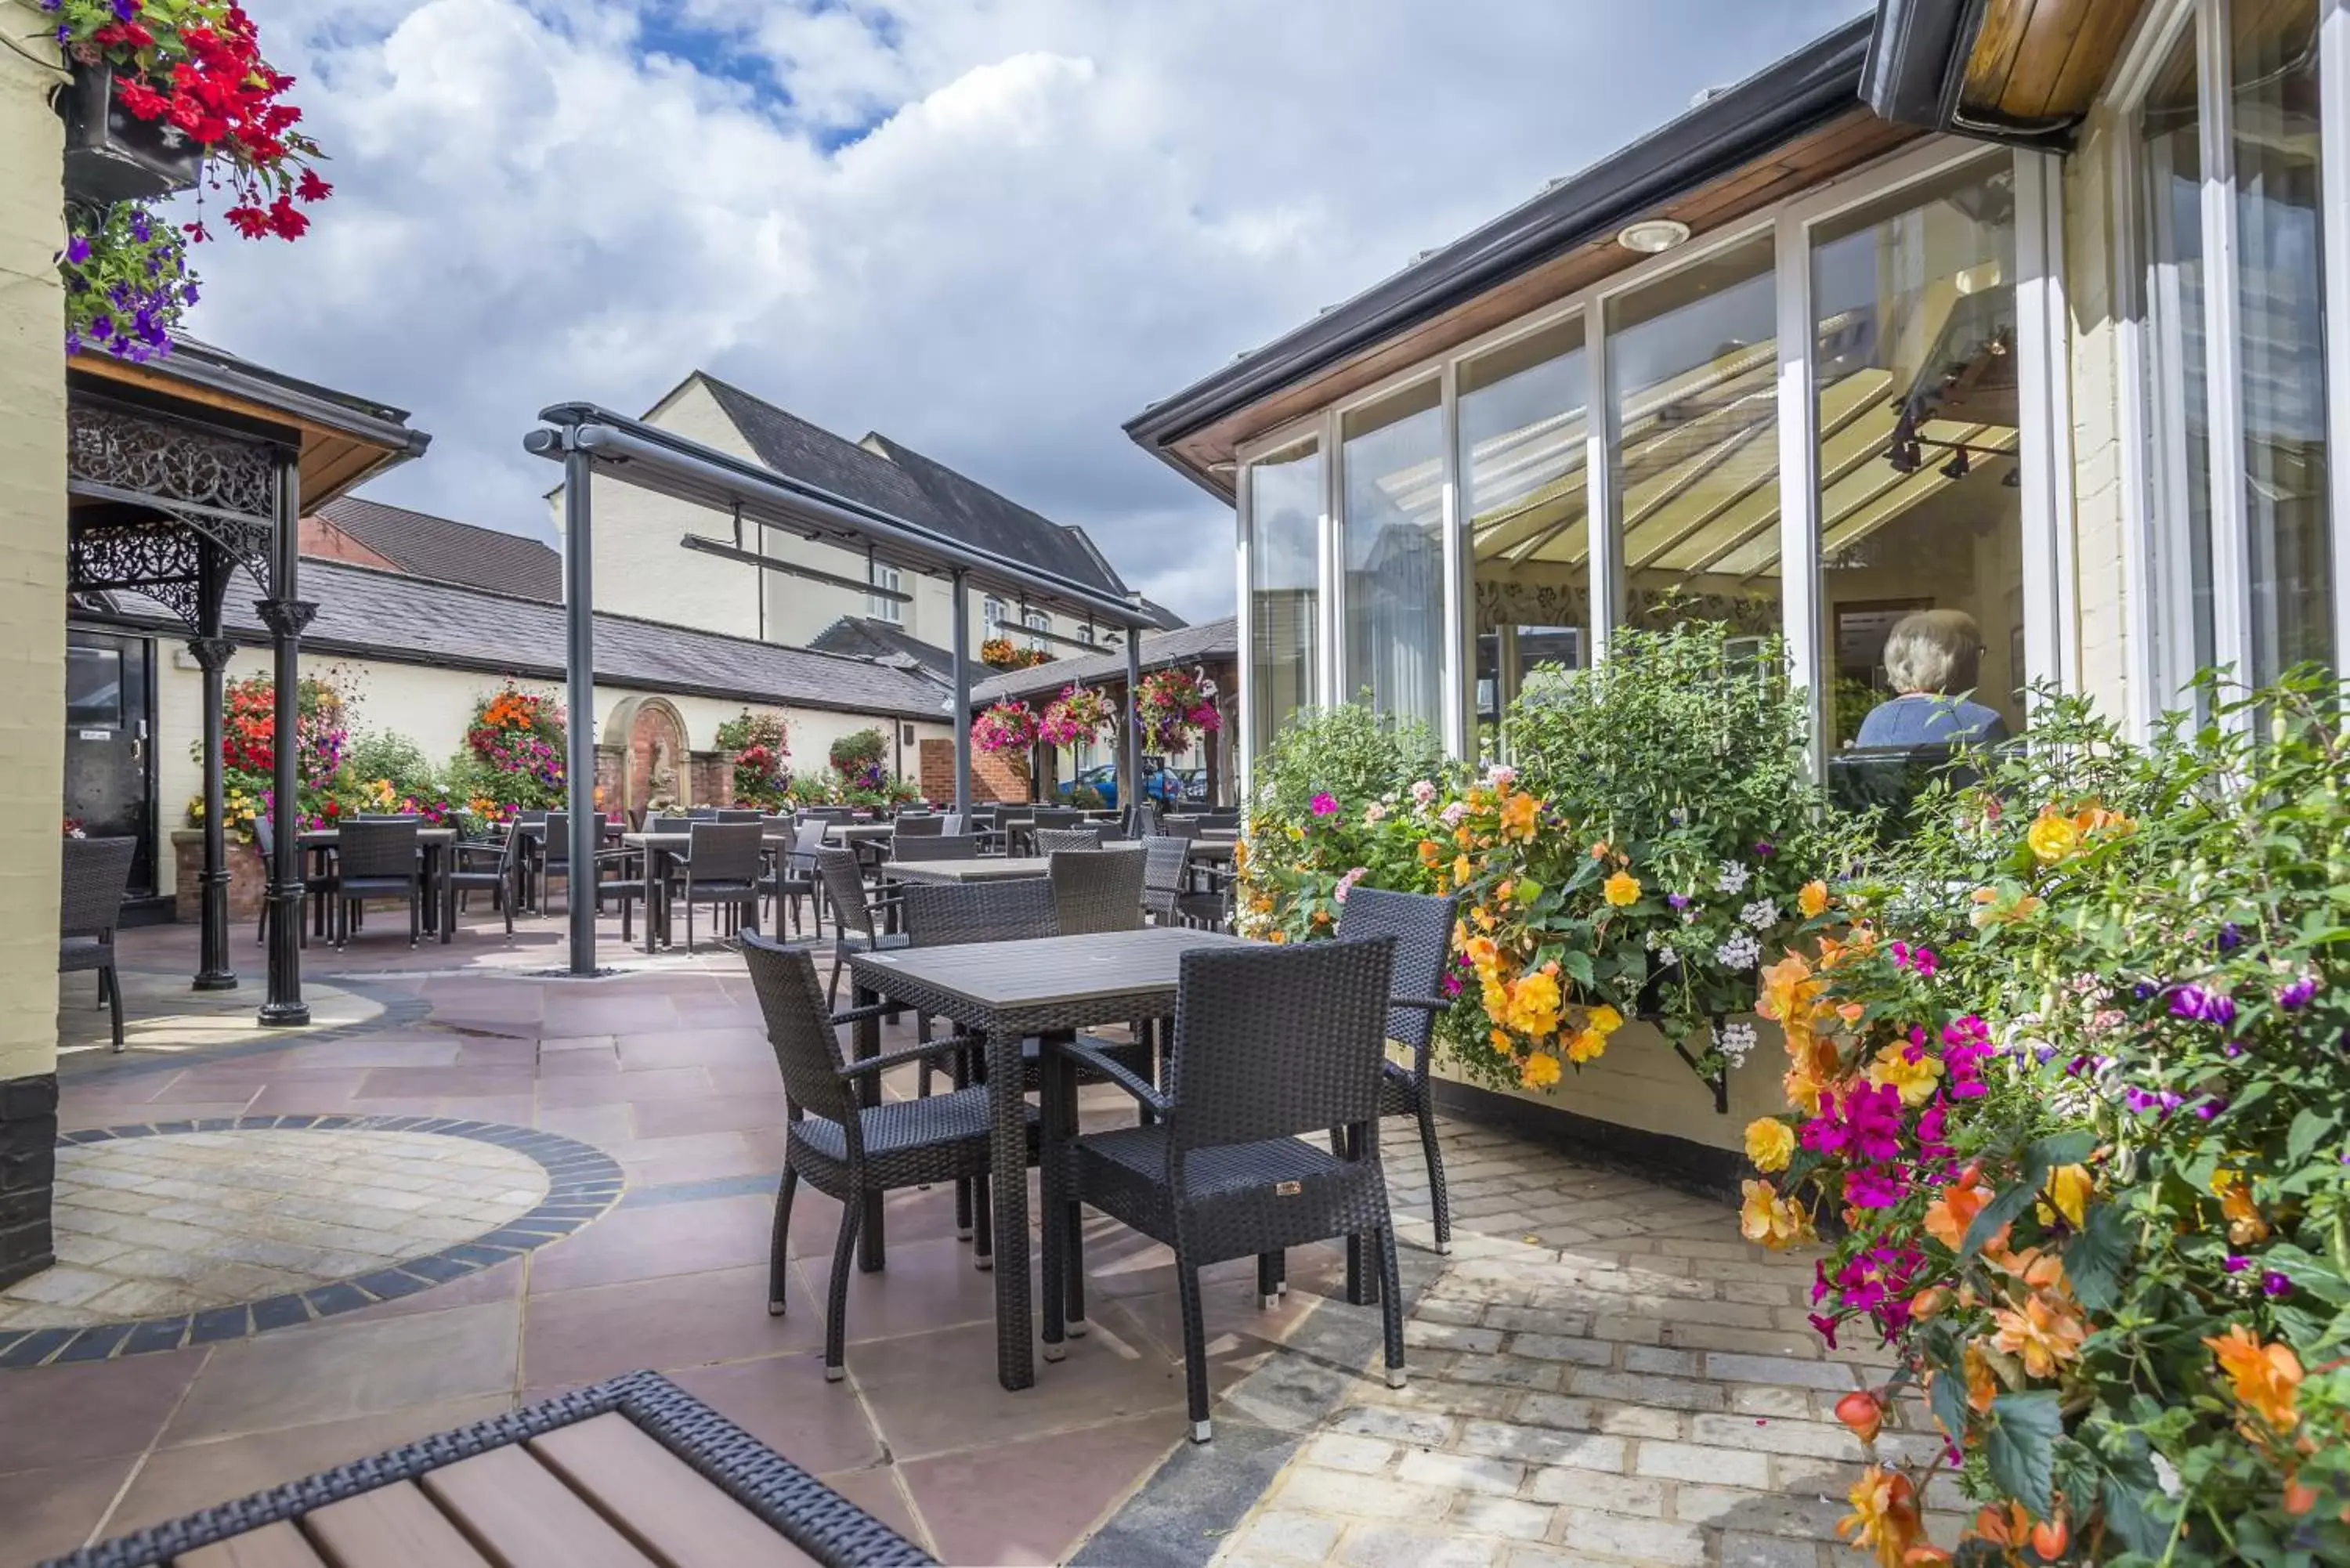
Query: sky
x=994 y=229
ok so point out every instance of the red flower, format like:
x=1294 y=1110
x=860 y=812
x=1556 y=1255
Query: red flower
x=141 y=101
x=250 y=221
x=285 y=220
x=310 y=188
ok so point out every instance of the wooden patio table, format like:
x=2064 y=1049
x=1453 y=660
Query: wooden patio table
x=1047 y=988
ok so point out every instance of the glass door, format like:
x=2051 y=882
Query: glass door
x=109 y=753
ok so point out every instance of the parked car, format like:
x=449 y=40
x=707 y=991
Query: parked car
x=1175 y=788
x=1102 y=776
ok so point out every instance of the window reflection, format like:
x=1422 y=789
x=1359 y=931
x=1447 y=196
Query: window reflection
x=1392 y=534
x=1285 y=525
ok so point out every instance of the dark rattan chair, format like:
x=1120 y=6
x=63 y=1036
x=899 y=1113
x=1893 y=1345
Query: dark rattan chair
x=854 y=928
x=93 y=873
x=1269 y=1043
x=490 y=864
x=668 y=822
x=733 y=814
x=1164 y=861
x=795 y=877
x=317 y=886
x=849 y=1149
x=1423 y=928
x=916 y=824
x=1100 y=890
x=378 y=860
x=1058 y=816
x=1067 y=840
x=937 y=846
x=721 y=868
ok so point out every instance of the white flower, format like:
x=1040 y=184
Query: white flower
x=1667 y=957
x=1373 y=813
x=1422 y=793
x=2165 y=1475
x=1502 y=776
x=1761 y=914
x=1739 y=952
x=1733 y=879
x=1734 y=1041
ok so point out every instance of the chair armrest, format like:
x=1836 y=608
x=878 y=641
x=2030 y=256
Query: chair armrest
x=1116 y=1072
x=859 y=1014
x=1425 y=1003
x=899 y=1058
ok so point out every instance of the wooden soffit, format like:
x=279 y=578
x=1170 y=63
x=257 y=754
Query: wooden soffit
x=2036 y=66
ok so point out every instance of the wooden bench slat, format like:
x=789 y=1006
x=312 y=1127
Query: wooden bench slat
x=394 y=1526
x=661 y=1501
x=524 y=1516
x=278 y=1546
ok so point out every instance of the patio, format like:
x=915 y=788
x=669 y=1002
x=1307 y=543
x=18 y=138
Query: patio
x=1601 y=1372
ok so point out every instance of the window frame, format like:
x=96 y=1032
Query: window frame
x=886 y=578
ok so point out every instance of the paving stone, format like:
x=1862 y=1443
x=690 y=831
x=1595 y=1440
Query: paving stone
x=1594 y=1488
x=1463 y=1472
x=1537 y=1320
x=1656 y=1359
x=1424 y=1334
x=1647 y=1541
x=1541 y=1446
x=1398 y=1426
x=1501 y=1516
x=1767 y=1401
x=1515 y=1372
x=1780 y=1369
x=1601 y=1415
x=1635 y=1389
x=1564 y=1347
x=1740 y=1550
x=1783 y=1512
x=1692 y=1462
x=1357 y=1495
x=1395 y=1547
x=1280 y=1533
x=1343 y=1451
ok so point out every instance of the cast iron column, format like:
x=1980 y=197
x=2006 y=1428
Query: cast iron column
x=1131 y=790
x=213 y=973
x=579 y=668
x=287 y=616
x=963 y=694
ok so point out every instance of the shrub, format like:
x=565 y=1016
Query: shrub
x=1084 y=797
x=761 y=748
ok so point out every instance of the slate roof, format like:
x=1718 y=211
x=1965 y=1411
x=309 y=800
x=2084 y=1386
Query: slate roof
x=447 y=551
x=863 y=636
x=1209 y=642
x=371 y=614
x=894 y=477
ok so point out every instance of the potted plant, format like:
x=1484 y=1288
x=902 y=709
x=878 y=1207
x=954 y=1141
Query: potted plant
x=1079 y=713
x=1175 y=707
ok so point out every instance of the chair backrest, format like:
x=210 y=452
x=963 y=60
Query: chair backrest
x=954 y=821
x=844 y=888
x=1058 y=816
x=1421 y=925
x=1862 y=778
x=725 y=851
x=828 y=812
x=264 y=837
x=702 y=813
x=531 y=816
x=670 y=822
x=558 y=839
x=1162 y=874
x=1020 y=910
x=807 y=839
x=936 y=846
x=1221 y=820
x=1271 y=1042
x=800 y=1030
x=923 y=822
x=1097 y=891
x=93 y=874
x=1067 y=840
x=740 y=813
x=1146 y=820
x=1187 y=829
x=367 y=849
x=386 y=816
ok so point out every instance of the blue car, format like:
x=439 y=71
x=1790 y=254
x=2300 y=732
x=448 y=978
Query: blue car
x=1169 y=787
x=1103 y=776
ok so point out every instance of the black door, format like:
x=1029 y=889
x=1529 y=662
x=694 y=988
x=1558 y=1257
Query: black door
x=109 y=745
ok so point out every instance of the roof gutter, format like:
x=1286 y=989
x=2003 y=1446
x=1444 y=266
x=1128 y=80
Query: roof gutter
x=376 y=424
x=1917 y=71
x=1721 y=134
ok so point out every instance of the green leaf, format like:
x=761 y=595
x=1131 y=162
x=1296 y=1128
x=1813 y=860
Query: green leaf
x=2021 y=1448
x=2000 y=1211
x=2057 y=1148
x=1576 y=964
x=2094 y=1259
x=2134 y=1513
x=1950 y=1399
x=2309 y=1128
x=2308 y=1272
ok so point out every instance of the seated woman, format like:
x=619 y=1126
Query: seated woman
x=1933 y=658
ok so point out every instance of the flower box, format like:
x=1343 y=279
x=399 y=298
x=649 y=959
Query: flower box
x=248 y=881
x=111 y=155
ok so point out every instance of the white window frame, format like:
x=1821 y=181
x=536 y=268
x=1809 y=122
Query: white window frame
x=990 y=616
x=879 y=608
x=2049 y=635
x=1035 y=621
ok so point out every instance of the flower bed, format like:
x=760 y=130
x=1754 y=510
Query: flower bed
x=761 y=748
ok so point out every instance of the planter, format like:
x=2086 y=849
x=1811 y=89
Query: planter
x=113 y=156
x=247 y=883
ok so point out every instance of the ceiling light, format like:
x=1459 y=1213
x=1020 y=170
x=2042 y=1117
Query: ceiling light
x=1651 y=235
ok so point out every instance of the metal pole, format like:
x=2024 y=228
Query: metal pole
x=285 y=616
x=963 y=694
x=1130 y=792
x=579 y=665
x=212 y=651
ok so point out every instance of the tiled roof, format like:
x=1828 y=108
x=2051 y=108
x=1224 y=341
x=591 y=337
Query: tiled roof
x=973 y=512
x=446 y=551
x=863 y=636
x=1211 y=641
x=371 y=613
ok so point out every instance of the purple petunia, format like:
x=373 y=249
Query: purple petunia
x=2230 y=938
x=2273 y=1284
x=1678 y=900
x=2297 y=994
x=2192 y=1001
x=77 y=250
x=2235 y=1262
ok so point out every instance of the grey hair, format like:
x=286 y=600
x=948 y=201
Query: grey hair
x=1934 y=650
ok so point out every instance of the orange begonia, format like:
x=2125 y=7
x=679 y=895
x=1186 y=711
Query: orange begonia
x=1884 y=1516
x=2266 y=1379
x=1955 y=1208
x=2046 y=1333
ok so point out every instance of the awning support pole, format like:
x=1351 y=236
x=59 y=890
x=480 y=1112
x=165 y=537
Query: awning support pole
x=962 y=717
x=1131 y=792
x=579 y=734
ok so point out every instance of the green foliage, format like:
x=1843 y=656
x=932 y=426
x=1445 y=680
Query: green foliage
x=859 y=749
x=761 y=754
x=1333 y=799
x=395 y=759
x=1084 y=797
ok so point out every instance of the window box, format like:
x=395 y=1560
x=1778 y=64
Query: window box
x=113 y=156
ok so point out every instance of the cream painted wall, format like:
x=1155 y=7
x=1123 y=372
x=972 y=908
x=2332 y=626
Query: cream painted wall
x=32 y=551
x=1641 y=1083
x=432 y=707
x=2101 y=537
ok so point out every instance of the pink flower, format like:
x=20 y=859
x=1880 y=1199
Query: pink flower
x=1422 y=793
x=1346 y=883
x=1503 y=777
x=1325 y=804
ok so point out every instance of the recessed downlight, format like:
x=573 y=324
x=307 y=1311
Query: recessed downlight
x=1652 y=236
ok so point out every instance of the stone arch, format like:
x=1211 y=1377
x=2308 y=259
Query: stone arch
x=655 y=765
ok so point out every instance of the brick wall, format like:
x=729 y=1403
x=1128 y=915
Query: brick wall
x=712 y=780
x=993 y=777
x=321 y=540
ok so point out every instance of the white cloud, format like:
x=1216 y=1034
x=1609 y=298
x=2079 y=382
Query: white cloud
x=992 y=229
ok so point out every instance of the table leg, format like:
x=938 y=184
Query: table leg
x=865 y=1041
x=1015 y=1365
x=432 y=894
x=1052 y=1187
x=652 y=898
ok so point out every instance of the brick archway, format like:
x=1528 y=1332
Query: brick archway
x=656 y=761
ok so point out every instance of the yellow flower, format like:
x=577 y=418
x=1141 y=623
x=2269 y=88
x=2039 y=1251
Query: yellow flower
x=1462 y=869
x=1915 y=1079
x=1519 y=815
x=1884 y=1516
x=1605 y=1019
x=1429 y=852
x=1622 y=889
x=2046 y=1333
x=1769 y=1143
x=1813 y=898
x=1587 y=1045
x=2266 y=1378
x=1533 y=1003
x=2069 y=1187
x=2245 y=1225
x=1540 y=1070
x=2053 y=837
x=1777 y=1222
x=1480 y=952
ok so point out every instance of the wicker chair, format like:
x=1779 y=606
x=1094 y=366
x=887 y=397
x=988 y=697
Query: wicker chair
x=1067 y=840
x=1421 y=926
x=552 y=852
x=721 y=867
x=736 y=813
x=1145 y=820
x=1058 y=816
x=1164 y=861
x=795 y=877
x=921 y=824
x=1099 y=891
x=93 y=874
x=264 y=846
x=1269 y=1043
x=937 y=846
x=853 y=925
x=494 y=864
x=377 y=860
x=848 y=1150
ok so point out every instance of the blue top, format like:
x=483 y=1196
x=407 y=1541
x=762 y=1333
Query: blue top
x=1930 y=719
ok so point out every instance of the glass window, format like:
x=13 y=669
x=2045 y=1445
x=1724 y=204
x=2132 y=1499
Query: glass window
x=1284 y=596
x=1037 y=620
x=876 y=605
x=1693 y=366
x=1392 y=529
x=1525 y=502
x=93 y=687
x=1921 y=517
x=2280 y=283
x=991 y=614
x=2178 y=436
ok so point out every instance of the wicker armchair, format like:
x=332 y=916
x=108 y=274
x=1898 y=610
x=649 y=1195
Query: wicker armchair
x=1098 y=891
x=493 y=865
x=377 y=860
x=736 y=814
x=1164 y=861
x=93 y=873
x=937 y=846
x=853 y=927
x=1067 y=840
x=1421 y=927
x=264 y=846
x=1269 y=1043
x=922 y=824
x=841 y=1143
x=795 y=877
x=721 y=867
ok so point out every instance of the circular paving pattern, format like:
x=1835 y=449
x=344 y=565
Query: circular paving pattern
x=187 y=1232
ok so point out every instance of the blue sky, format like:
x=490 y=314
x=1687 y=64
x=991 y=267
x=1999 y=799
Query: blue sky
x=992 y=229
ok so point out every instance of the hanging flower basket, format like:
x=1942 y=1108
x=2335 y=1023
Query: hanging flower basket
x=1003 y=727
x=1078 y=714
x=1174 y=708
x=112 y=155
